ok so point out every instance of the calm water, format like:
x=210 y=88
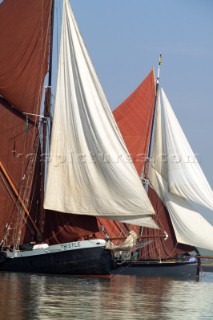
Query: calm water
x=30 y=296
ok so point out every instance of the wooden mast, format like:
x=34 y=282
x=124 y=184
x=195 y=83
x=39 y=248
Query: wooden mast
x=47 y=112
x=147 y=163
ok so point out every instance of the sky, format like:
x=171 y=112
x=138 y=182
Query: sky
x=124 y=39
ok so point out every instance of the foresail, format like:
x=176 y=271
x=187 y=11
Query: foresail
x=185 y=176
x=90 y=171
x=189 y=226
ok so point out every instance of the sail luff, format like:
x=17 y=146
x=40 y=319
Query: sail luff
x=154 y=113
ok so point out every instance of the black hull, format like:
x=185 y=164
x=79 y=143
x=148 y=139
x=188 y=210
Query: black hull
x=89 y=261
x=207 y=268
x=184 y=270
x=94 y=262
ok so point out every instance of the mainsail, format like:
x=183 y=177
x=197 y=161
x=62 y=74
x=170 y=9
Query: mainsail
x=134 y=117
x=90 y=171
x=24 y=42
x=178 y=179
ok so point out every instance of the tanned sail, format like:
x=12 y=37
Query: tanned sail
x=171 y=220
x=134 y=118
x=90 y=178
x=24 y=43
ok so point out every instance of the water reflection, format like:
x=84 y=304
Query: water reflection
x=28 y=296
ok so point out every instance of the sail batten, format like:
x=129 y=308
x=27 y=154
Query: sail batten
x=90 y=171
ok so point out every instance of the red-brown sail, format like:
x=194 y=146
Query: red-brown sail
x=24 y=43
x=114 y=229
x=134 y=117
x=63 y=227
x=161 y=248
x=24 y=64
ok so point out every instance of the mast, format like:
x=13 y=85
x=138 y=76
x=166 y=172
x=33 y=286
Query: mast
x=147 y=163
x=51 y=44
x=47 y=104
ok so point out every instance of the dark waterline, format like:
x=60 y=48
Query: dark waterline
x=31 y=296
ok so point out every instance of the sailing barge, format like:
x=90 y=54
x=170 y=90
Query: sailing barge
x=73 y=199
x=63 y=197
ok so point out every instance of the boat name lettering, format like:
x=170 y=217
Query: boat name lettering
x=71 y=245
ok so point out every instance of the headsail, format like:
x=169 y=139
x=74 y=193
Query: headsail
x=185 y=176
x=90 y=171
x=169 y=141
x=189 y=225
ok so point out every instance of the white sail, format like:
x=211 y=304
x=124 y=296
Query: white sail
x=189 y=225
x=90 y=171
x=185 y=176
